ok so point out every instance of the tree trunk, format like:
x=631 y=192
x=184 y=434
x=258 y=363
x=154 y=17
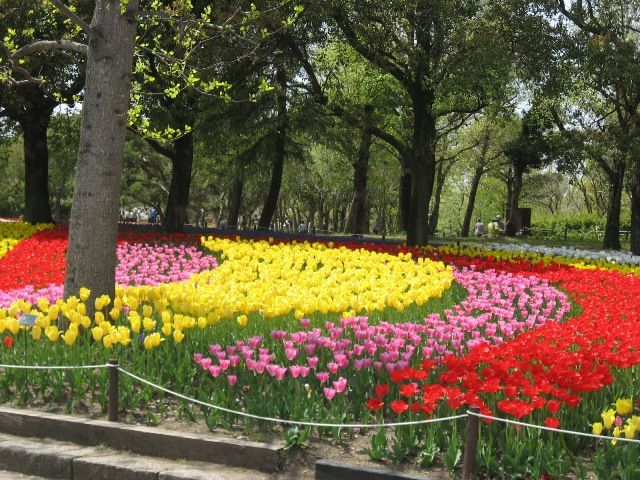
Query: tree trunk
x=468 y=214
x=612 y=227
x=271 y=201
x=514 y=200
x=357 y=218
x=93 y=227
x=36 y=168
x=235 y=199
x=423 y=167
x=404 y=197
x=178 y=200
x=435 y=213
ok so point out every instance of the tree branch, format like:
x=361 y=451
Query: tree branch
x=370 y=54
x=47 y=45
x=72 y=16
x=161 y=149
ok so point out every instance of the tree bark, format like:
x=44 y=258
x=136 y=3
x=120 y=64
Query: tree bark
x=271 y=201
x=422 y=167
x=37 y=208
x=435 y=212
x=404 y=198
x=93 y=227
x=514 y=200
x=612 y=227
x=357 y=218
x=178 y=199
x=468 y=214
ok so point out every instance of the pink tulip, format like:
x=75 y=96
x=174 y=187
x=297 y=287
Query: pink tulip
x=340 y=385
x=329 y=393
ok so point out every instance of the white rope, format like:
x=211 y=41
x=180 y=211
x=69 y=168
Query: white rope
x=557 y=430
x=54 y=367
x=290 y=422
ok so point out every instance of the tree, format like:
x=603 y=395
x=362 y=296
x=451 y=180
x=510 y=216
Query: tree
x=602 y=43
x=489 y=137
x=34 y=84
x=423 y=44
x=111 y=36
x=93 y=226
x=530 y=149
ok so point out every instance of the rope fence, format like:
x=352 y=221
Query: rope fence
x=472 y=415
x=55 y=367
x=289 y=422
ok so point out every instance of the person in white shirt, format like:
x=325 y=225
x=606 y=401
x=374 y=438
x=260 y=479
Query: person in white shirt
x=480 y=230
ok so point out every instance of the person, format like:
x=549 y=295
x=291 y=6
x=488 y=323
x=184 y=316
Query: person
x=496 y=227
x=302 y=228
x=480 y=229
x=153 y=215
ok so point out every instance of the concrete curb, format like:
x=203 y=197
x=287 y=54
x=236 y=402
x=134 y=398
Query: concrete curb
x=327 y=470
x=156 y=442
x=52 y=459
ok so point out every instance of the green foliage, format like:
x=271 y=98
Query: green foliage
x=619 y=462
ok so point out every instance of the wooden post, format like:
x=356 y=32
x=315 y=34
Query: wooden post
x=113 y=390
x=473 y=430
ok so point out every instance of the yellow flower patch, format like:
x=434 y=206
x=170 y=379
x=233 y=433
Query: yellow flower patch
x=274 y=280
x=12 y=232
x=255 y=277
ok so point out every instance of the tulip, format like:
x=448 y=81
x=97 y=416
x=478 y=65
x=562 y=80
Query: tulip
x=178 y=336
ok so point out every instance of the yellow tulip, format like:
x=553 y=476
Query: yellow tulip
x=99 y=304
x=147 y=310
x=99 y=317
x=54 y=311
x=596 y=428
x=242 y=320
x=69 y=337
x=608 y=418
x=178 y=336
x=12 y=325
x=107 y=341
x=84 y=294
x=85 y=321
x=148 y=342
x=97 y=333
x=629 y=432
x=166 y=329
x=135 y=325
x=148 y=323
x=624 y=406
x=81 y=309
x=202 y=323
x=52 y=333
x=43 y=304
x=114 y=313
x=36 y=333
x=105 y=326
x=156 y=339
x=125 y=336
x=106 y=300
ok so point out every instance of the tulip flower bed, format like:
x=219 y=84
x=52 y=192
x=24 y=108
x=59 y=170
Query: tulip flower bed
x=344 y=333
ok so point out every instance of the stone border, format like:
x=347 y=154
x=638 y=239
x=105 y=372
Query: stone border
x=150 y=441
x=328 y=470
